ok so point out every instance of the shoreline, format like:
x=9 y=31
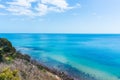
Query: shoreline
x=58 y=73
x=62 y=75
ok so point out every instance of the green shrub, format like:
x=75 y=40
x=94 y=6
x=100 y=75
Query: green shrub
x=8 y=74
x=7 y=51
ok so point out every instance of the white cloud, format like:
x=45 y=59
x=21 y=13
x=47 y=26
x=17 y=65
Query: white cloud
x=52 y=6
x=22 y=3
x=17 y=10
x=42 y=9
x=62 y=4
x=2 y=6
x=36 y=7
x=20 y=7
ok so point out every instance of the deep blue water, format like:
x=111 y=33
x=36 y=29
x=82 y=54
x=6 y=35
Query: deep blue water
x=96 y=56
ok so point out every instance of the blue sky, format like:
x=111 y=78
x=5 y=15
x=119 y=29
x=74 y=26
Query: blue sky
x=59 y=16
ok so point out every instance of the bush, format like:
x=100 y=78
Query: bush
x=7 y=51
x=8 y=74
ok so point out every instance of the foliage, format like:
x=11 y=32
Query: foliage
x=7 y=51
x=8 y=74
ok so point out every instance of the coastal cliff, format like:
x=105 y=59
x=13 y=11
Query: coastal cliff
x=16 y=66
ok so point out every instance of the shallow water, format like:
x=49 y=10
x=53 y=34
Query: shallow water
x=92 y=55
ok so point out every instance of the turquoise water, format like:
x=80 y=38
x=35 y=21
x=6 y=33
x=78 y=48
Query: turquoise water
x=86 y=56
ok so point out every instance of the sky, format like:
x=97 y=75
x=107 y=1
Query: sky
x=60 y=16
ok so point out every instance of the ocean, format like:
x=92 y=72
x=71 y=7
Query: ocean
x=82 y=56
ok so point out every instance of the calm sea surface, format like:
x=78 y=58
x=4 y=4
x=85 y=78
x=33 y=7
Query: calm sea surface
x=85 y=56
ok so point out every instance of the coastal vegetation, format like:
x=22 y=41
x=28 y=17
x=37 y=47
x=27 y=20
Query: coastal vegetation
x=8 y=74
